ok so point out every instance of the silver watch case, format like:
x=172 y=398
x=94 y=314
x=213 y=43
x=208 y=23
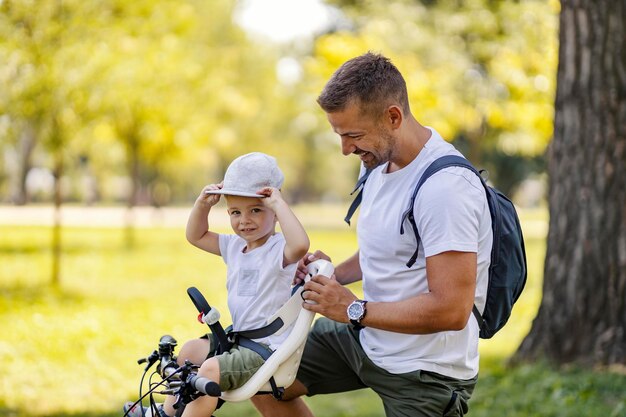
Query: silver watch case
x=356 y=310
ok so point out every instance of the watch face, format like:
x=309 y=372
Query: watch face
x=355 y=311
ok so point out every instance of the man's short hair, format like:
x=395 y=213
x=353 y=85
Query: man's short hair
x=371 y=81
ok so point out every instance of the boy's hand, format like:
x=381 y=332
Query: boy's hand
x=273 y=197
x=209 y=200
x=302 y=271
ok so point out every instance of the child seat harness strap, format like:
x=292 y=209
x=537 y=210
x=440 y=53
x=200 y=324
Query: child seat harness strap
x=243 y=337
x=226 y=339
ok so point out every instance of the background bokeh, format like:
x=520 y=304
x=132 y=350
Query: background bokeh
x=114 y=114
x=144 y=102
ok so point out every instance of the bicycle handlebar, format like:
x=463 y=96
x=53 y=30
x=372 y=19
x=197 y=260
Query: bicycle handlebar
x=205 y=385
x=154 y=356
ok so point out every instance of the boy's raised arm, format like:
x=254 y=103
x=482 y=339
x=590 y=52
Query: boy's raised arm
x=197 y=232
x=297 y=241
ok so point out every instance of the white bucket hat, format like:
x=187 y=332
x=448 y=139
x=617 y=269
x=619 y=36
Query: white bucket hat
x=249 y=173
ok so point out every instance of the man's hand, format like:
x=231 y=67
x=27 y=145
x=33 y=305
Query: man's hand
x=330 y=297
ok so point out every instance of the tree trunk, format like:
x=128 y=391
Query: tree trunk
x=25 y=148
x=57 y=244
x=582 y=317
x=132 y=151
x=58 y=170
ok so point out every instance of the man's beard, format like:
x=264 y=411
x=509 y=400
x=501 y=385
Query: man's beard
x=381 y=156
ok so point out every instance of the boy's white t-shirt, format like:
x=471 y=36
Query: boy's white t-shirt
x=451 y=214
x=256 y=282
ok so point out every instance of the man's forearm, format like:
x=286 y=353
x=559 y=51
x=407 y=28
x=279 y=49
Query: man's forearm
x=349 y=270
x=446 y=306
x=423 y=314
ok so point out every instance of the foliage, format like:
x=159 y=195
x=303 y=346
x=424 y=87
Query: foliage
x=152 y=92
x=73 y=351
x=148 y=100
x=481 y=72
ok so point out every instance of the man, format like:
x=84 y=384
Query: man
x=412 y=338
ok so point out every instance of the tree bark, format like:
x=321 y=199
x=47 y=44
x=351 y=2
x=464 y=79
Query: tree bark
x=25 y=148
x=134 y=174
x=57 y=243
x=582 y=317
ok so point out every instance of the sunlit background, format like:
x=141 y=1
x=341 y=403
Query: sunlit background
x=115 y=113
x=144 y=102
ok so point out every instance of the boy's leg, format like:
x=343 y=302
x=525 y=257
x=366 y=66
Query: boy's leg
x=292 y=406
x=270 y=406
x=327 y=366
x=196 y=351
x=230 y=370
x=205 y=405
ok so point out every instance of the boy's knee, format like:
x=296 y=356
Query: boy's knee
x=210 y=369
x=195 y=350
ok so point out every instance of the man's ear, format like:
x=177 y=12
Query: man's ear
x=394 y=116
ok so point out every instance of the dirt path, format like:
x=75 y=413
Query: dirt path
x=327 y=216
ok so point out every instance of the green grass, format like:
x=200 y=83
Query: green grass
x=72 y=351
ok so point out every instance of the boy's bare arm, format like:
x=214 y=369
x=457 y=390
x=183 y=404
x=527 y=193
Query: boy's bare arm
x=297 y=241
x=198 y=233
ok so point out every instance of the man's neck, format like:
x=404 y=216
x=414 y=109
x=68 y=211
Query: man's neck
x=409 y=144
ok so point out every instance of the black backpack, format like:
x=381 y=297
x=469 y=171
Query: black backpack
x=507 y=271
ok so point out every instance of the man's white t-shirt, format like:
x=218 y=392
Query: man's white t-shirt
x=451 y=214
x=257 y=283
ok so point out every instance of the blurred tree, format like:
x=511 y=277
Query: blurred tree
x=184 y=95
x=582 y=317
x=155 y=98
x=163 y=90
x=36 y=104
x=27 y=90
x=480 y=72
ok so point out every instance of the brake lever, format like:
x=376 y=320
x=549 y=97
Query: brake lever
x=151 y=360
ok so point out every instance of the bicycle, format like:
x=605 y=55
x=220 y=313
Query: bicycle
x=278 y=371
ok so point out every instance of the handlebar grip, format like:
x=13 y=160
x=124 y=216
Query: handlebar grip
x=154 y=356
x=205 y=386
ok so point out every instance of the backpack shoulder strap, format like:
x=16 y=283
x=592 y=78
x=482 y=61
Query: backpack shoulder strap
x=360 y=184
x=436 y=166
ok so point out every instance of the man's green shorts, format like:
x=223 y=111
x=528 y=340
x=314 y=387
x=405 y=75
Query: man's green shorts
x=236 y=366
x=334 y=361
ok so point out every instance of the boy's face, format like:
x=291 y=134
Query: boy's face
x=250 y=219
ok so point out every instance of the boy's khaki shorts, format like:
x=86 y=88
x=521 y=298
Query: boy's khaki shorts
x=236 y=366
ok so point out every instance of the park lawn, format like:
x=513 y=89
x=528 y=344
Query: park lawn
x=72 y=350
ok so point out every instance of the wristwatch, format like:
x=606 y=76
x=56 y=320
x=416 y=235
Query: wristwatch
x=356 y=311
